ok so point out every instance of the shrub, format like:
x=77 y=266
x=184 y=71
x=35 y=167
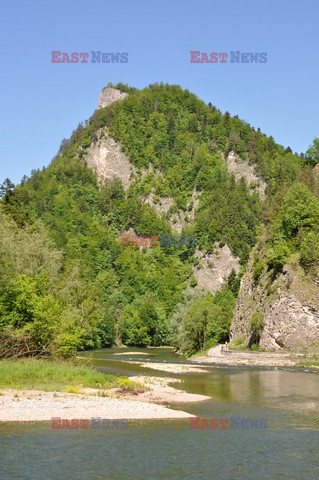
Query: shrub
x=259 y=266
x=256 y=325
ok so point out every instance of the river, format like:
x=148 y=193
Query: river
x=169 y=449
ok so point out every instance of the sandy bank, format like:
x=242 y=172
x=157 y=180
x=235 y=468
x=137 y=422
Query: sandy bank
x=132 y=353
x=34 y=405
x=172 y=367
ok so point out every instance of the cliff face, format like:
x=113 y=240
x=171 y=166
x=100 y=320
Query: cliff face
x=242 y=169
x=289 y=305
x=104 y=155
x=110 y=95
x=106 y=158
x=215 y=268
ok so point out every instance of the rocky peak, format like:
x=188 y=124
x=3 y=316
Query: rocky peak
x=110 y=95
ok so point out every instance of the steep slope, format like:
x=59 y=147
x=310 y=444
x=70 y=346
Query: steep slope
x=152 y=162
x=288 y=305
x=278 y=301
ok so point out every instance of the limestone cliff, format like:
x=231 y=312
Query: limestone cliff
x=106 y=158
x=104 y=155
x=110 y=95
x=214 y=269
x=243 y=169
x=288 y=304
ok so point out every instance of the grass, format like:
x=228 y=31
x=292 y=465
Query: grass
x=309 y=363
x=238 y=344
x=50 y=375
x=200 y=353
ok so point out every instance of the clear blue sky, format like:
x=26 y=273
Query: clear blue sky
x=41 y=102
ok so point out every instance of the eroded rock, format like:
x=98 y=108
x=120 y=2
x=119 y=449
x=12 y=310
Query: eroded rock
x=106 y=158
x=289 y=306
x=110 y=95
x=242 y=169
x=216 y=268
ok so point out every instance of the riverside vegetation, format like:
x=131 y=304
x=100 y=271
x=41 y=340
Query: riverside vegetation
x=66 y=284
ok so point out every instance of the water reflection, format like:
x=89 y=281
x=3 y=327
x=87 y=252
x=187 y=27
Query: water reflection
x=158 y=450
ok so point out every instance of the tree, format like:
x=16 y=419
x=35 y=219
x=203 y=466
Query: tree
x=312 y=154
x=309 y=250
x=300 y=210
x=207 y=319
x=6 y=189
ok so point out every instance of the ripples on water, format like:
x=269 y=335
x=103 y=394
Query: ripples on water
x=169 y=449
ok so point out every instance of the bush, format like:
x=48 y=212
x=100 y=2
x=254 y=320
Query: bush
x=309 y=250
x=259 y=266
x=238 y=343
x=278 y=255
x=127 y=385
x=256 y=325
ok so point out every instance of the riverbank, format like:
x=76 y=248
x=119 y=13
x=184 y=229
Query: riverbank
x=150 y=402
x=171 y=367
x=255 y=359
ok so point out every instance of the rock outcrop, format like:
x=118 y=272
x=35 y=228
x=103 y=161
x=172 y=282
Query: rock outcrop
x=104 y=155
x=289 y=305
x=242 y=169
x=163 y=205
x=180 y=220
x=110 y=95
x=106 y=158
x=215 y=268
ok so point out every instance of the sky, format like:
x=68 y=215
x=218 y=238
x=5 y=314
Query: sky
x=43 y=102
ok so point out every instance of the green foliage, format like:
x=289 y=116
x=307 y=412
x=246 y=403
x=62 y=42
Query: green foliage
x=49 y=375
x=208 y=318
x=6 y=190
x=256 y=325
x=259 y=267
x=295 y=228
x=233 y=282
x=133 y=331
x=190 y=295
x=309 y=250
x=312 y=154
x=254 y=347
x=67 y=284
x=300 y=211
x=278 y=255
x=238 y=343
x=173 y=130
x=128 y=385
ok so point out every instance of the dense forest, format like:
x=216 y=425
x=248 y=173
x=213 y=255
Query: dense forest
x=66 y=282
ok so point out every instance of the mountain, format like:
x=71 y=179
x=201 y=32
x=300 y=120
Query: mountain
x=149 y=163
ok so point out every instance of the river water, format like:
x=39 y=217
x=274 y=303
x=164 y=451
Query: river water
x=169 y=449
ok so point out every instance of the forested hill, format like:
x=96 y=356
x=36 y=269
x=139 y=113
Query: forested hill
x=184 y=169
